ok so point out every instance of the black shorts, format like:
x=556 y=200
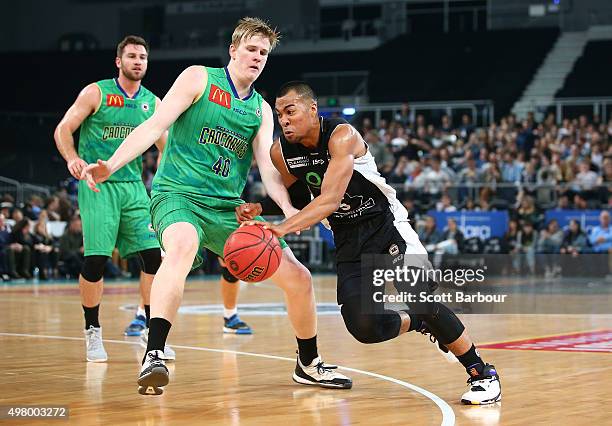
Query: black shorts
x=380 y=235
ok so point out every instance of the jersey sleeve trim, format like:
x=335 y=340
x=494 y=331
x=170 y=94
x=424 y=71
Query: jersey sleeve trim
x=280 y=144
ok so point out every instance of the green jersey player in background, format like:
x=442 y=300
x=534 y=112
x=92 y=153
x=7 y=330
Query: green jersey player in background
x=218 y=122
x=118 y=216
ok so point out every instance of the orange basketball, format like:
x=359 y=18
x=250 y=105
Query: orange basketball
x=252 y=253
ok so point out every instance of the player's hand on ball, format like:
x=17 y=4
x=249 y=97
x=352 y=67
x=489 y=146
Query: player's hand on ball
x=96 y=173
x=277 y=230
x=76 y=166
x=247 y=211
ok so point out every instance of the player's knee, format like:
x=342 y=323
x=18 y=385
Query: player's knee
x=182 y=248
x=295 y=267
x=304 y=283
x=444 y=324
x=364 y=328
x=299 y=275
x=150 y=260
x=93 y=268
x=227 y=275
x=186 y=248
x=304 y=276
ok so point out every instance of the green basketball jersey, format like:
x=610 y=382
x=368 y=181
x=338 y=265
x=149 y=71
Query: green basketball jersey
x=117 y=115
x=209 y=148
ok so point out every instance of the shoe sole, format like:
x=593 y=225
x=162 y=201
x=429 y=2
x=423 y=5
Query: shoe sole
x=303 y=381
x=486 y=402
x=152 y=383
x=97 y=360
x=234 y=331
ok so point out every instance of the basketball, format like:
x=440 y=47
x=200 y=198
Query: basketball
x=252 y=253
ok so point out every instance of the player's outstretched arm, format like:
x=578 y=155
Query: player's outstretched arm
x=342 y=146
x=86 y=103
x=270 y=177
x=184 y=92
x=248 y=211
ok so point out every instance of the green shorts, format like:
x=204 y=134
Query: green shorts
x=213 y=218
x=117 y=216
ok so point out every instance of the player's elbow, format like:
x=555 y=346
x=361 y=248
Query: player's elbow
x=56 y=133
x=60 y=130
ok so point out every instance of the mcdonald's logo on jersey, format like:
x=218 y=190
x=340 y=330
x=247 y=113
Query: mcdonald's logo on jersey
x=220 y=96
x=115 y=100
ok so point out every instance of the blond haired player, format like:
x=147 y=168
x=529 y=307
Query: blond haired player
x=217 y=123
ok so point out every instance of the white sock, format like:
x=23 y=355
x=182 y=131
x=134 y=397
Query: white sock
x=228 y=313
x=141 y=312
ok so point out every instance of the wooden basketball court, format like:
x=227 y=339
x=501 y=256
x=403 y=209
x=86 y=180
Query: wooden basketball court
x=231 y=380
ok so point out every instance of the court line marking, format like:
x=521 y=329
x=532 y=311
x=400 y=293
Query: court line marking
x=546 y=351
x=448 y=415
x=544 y=336
x=266 y=285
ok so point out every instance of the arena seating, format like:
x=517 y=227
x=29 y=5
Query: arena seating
x=591 y=73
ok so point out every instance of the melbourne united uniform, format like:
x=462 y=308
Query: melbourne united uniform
x=369 y=220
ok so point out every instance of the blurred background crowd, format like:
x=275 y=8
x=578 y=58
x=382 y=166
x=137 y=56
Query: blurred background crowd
x=523 y=167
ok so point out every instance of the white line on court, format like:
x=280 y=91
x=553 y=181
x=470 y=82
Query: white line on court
x=265 y=285
x=448 y=415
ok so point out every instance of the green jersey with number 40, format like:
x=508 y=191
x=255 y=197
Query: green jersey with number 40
x=209 y=148
x=117 y=115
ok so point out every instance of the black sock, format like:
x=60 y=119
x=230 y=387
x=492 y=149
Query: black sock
x=91 y=316
x=307 y=350
x=158 y=333
x=148 y=314
x=471 y=360
x=415 y=323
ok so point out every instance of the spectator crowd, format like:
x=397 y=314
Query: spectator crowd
x=523 y=167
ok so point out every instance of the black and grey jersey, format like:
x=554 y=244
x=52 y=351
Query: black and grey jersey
x=367 y=195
